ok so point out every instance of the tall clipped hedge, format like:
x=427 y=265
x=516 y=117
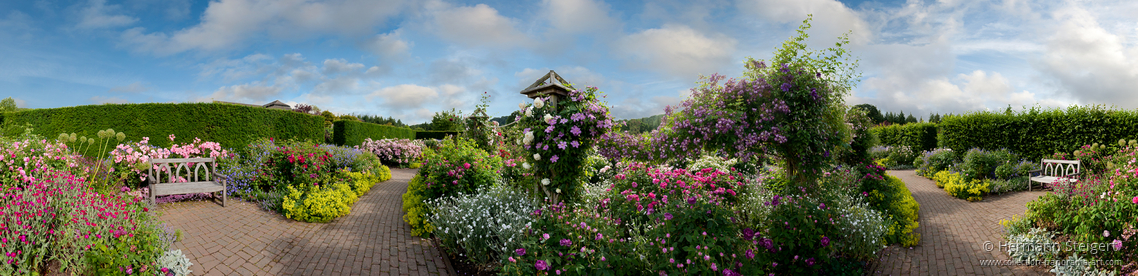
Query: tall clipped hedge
x=352 y=133
x=1034 y=133
x=918 y=136
x=233 y=126
x=429 y=134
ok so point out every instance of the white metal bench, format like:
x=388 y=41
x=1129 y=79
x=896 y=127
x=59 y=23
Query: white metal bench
x=202 y=178
x=1052 y=171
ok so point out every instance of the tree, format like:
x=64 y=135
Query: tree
x=872 y=112
x=447 y=121
x=910 y=119
x=8 y=105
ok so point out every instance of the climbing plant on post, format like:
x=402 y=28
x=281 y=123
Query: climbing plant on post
x=558 y=139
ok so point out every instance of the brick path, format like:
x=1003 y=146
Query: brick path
x=954 y=232
x=242 y=239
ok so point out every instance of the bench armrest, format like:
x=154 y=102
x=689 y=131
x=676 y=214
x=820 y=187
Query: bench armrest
x=1034 y=172
x=222 y=176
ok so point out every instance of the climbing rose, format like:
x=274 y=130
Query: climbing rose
x=538 y=103
x=541 y=265
x=520 y=251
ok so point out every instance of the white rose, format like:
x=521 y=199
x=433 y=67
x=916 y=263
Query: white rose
x=536 y=156
x=525 y=165
x=528 y=138
x=559 y=190
x=529 y=112
x=545 y=181
x=521 y=106
x=538 y=103
x=548 y=117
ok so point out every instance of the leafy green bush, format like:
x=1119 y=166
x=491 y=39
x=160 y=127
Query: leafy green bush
x=1017 y=183
x=957 y=186
x=414 y=208
x=917 y=136
x=1035 y=133
x=458 y=167
x=933 y=161
x=233 y=126
x=982 y=164
x=903 y=209
x=353 y=133
x=318 y=203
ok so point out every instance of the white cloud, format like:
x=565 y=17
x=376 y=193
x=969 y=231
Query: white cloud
x=135 y=87
x=337 y=66
x=97 y=15
x=404 y=96
x=479 y=25
x=226 y=24
x=679 y=50
x=579 y=16
x=249 y=93
x=388 y=45
x=1089 y=62
x=831 y=18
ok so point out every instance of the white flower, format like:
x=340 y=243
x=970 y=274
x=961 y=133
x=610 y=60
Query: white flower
x=521 y=106
x=545 y=181
x=548 y=117
x=559 y=190
x=525 y=165
x=528 y=138
x=529 y=112
x=536 y=156
x=538 y=103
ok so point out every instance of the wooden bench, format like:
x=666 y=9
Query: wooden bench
x=1052 y=171
x=202 y=178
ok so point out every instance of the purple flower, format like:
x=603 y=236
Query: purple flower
x=562 y=144
x=566 y=242
x=785 y=87
x=575 y=131
x=691 y=200
x=541 y=265
x=575 y=144
x=750 y=254
x=810 y=262
x=825 y=241
x=554 y=159
x=667 y=216
x=748 y=234
x=823 y=206
x=549 y=129
x=545 y=236
x=520 y=251
x=1117 y=245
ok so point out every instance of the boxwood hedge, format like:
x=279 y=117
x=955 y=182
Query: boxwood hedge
x=1035 y=133
x=918 y=136
x=233 y=126
x=352 y=133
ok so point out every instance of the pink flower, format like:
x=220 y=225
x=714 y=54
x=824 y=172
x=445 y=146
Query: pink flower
x=1135 y=200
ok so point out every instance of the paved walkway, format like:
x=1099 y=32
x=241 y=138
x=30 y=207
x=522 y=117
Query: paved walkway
x=954 y=233
x=242 y=239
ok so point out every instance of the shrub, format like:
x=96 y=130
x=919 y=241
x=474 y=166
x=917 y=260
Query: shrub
x=414 y=208
x=933 y=161
x=399 y=152
x=714 y=162
x=981 y=164
x=56 y=203
x=232 y=126
x=354 y=133
x=485 y=226
x=1018 y=183
x=458 y=167
x=318 y=203
x=973 y=190
x=175 y=262
x=919 y=136
x=902 y=209
x=1035 y=133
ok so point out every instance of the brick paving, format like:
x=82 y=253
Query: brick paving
x=954 y=232
x=242 y=239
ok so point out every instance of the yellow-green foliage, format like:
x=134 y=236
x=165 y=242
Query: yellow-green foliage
x=904 y=209
x=384 y=173
x=972 y=191
x=362 y=181
x=414 y=209
x=312 y=203
x=943 y=177
x=955 y=185
x=415 y=165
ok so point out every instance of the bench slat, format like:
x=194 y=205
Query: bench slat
x=186 y=188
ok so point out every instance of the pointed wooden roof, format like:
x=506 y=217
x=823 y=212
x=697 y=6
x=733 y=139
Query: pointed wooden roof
x=277 y=105
x=551 y=83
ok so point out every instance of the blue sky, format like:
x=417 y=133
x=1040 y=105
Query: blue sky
x=409 y=59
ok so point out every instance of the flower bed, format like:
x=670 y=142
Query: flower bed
x=397 y=152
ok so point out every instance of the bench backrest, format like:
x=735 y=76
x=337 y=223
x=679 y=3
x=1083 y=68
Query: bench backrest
x=203 y=169
x=1053 y=167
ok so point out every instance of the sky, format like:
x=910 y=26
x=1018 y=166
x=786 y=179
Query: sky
x=410 y=59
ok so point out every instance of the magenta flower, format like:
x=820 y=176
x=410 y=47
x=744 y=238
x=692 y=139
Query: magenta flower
x=667 y=216
x=810 y=262
x=1117 y=245
x=554 y=158
x=520 y=251
x=750 y=254
x=1135 y=200
x=541 y=265
x=825 y=241
x=566 y=242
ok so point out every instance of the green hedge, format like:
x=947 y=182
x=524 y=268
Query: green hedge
x=233 y=126
x=434 y=134
x=919 y=137
x=352 y=133
x=1036 y=133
